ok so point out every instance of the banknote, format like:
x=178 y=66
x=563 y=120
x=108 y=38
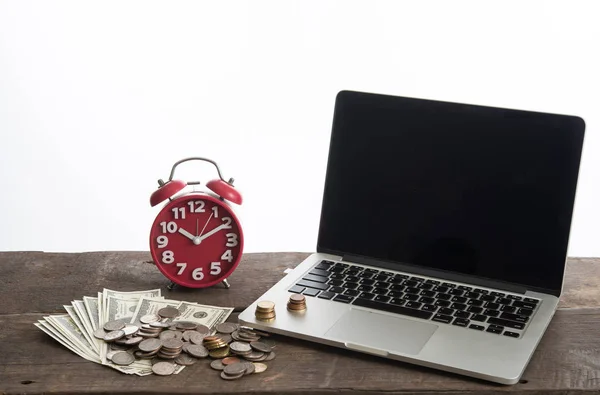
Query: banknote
x=91 y=306
x=210 y=316
x=150 y=306
x=77 y=321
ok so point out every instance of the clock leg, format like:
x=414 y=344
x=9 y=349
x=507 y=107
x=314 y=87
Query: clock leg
x=226 y=283
x=171 y=286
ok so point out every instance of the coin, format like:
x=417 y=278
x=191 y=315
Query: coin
x=130 y=341
x=114 y=335
x=240 y=347
x=148 y=318
x=163 y=368
x=130 y=329
x=169 y=334
x=249 y=368
x=217 y=365
x=229 y=377
x=99 y=333
x=113 y=326
x=123 y=358
x=158 y=324
x=186 y=325
x=203 y=329
x=168 y=312
x=234 y=369
x=266 y=305
x=259 y=367
x=225 y=327
x=230 y=360
x=196 y=337
x=198 y=351
x=150 y=345
x=110 y=353
x=172 y=343
x=219 y=352
x=298 y=298
x=258 y=346
x=270 y=356
x=185 y=360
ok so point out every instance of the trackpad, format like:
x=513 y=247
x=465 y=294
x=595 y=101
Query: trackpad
x=369 y=330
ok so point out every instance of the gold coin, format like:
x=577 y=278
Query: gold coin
x=267 y=305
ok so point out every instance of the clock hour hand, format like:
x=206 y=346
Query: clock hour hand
x=186 y=234
x=212 y=232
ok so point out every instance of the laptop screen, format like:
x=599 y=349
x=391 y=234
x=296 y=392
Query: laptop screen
x=481 y=191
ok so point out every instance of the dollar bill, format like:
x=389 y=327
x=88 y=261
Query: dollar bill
x=65 y=325
x=106 y=293
x=150 y=306
x=53 y=333
x=91 y=306
x=209 y=316
x=75 y=317
x=79 y=306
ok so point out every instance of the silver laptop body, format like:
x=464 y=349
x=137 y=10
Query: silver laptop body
x=483 y=318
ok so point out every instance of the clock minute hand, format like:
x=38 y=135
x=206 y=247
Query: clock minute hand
x=212 y=232
x=186 y=234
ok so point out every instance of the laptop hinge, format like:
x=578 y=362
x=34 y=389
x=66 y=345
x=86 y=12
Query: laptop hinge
x=441 y=274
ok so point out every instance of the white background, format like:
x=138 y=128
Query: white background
x=99 y=99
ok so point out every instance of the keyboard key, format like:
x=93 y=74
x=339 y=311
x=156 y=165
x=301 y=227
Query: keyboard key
x=399 y=288
x=350 y=285
x=319 y=279
x=478 y=317
x=382 y=284
x=310 y=292
x=366 y=295
x=428 y=307
x=443 y=296
x=397 y=301
x=335 y=283
x=336 y=269
x=366 y=281
x=411 y=283
x=352 y=279
x=313 y=284
x=481 y=291
x=323 y=266
x=491 y=305
x=514 y=317
x=471 y=295
x=351 y=292
x=465 y=288
x=429 y=294
x=446 y=319
x=511 y=334
x=488 y=298
x=344 y=298
x=382 y=298
x=426 y=286
x=458 y=299
x=441 y=289
x=514 y=297
x=396 y=280
x=474 y=302
x=395 y=294
x=412 y=290
x=417 y=279
x=392 y=308
x=526 y=312
x=296 y=289
x=474 y=309
x=503 y=301
x=456 y=292
x=379 y=291
x=426 y=300
x=460 y=322
x=449 y=285
x=526 y=305
x=319 y=272
x=442 y=303
x=344 y=265
x=446 y=311
x=412 y=297
x=498 y=294
x=380 y=277
x=477 y=327
x=462 y=314
x=458 y=306
x=434 y=282
x=506 y=323
x=337 y=290
x=401 y=276
x=365 y=275
x=326 y=295
x=493 y=330
x=531 y=300
x=374 y=271
x=337 y=276
x=413 y=305
x=389 y=274
x=508 y=309
x=491 y=313
x=364 y=288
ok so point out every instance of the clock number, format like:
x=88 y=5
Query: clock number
x=162 y=241
x=178 y=211
x=227 y=256
x=215 y=268
x=181 y=267
x=196 y=206
x=197 y=274
x=215 y=210
x=232 y=240
x=170 y=227
x=227 y=222
x=167 y=257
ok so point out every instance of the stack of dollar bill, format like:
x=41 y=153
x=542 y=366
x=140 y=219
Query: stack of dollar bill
x=75 y=329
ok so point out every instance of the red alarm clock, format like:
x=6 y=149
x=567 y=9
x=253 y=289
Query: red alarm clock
x=196 y=239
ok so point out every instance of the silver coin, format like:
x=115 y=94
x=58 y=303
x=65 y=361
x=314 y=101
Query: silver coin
x=147 y=335
x=123 y=358
x=168 y=312
x=270 y=356
x=226 y=338
x=130 y=330
x=166 y=356
x=198 y=351
x=203 y=329
x=235 y=368
x=187 y=334
x=249 y=368
x=225 y=327
x=114 y=335
x=225 y=376
x=217 y=365
x=113 y=326
x=172 y=343
x=163 y=368
x=185 y=360
x=255 y=356
x=158 y=324
x=196 y=337
x=110 y=353
x=141 y=354
x=240 y=347
x=130 y=341
x=259 y=367
x=150 y=345
x=186 y=325
x=118 y=347
x=148 y=318
x=170 y=334
x=259 y=346
x=99 y=333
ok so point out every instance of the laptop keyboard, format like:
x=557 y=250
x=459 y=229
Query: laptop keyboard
x=420 y=297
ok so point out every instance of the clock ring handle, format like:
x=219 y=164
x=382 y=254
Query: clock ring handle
x=202 y=159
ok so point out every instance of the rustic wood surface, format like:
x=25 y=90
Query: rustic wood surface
x=35 y=284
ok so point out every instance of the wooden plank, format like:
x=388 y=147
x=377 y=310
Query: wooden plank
x=43 y=282
x=567 y=361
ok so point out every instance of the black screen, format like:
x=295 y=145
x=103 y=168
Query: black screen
x=482 y=191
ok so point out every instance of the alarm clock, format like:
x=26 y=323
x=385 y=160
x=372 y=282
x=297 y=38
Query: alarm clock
x=196 y=239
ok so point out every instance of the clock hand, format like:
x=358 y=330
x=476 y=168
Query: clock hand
x=209 y=218
x=186 y=233
x=212 y=232
x=197 y=227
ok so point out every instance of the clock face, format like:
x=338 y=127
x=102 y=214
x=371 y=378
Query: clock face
x=196 y=241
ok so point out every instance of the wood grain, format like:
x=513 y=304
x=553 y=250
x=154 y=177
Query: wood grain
x=35 y=284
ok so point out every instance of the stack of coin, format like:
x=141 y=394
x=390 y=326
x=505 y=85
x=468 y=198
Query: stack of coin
x=148 y=348
x=265 y=311
x=150 y=330
x=234 y=371
x=168 y=312
x=240 y=348
x=171 y=348
x=217 y=348
x=297 y=303
x=245 y=334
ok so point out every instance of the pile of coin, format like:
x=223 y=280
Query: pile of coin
x=297 y=303
x=265 y=311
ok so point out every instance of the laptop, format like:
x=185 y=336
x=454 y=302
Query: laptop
x=443 y=235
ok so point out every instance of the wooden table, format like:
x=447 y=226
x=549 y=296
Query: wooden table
x=35 y=284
